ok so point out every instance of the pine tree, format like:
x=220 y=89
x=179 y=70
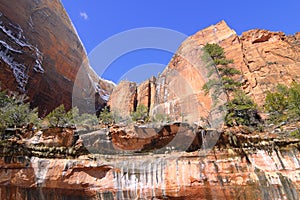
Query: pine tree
x=225 y=72
x=241 y=110
x=58 y=117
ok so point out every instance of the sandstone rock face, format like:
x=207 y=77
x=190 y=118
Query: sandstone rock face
x=98 y=142
x=265 y=59
x=123 y=99
x=145 y=93
x=158 y=139
x=41 y=54
x=253 y=168
x=271 y=58
x=55 y=137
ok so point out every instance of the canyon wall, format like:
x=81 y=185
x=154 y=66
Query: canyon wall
x=41 y=55
x=265 y=59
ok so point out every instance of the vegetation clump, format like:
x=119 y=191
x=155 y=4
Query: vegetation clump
x=283 y=105
x=15 y=111
x=106 y=117
x=141 y=113
x=161 y=118
x=241 y=110
x=59 y=117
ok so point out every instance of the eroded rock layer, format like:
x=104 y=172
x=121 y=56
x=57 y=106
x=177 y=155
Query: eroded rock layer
x=240 y=167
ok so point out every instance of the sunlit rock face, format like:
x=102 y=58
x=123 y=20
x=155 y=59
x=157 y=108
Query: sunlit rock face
x=123 y=99
x=264 y=58
x=271 y=58
x=41 y=54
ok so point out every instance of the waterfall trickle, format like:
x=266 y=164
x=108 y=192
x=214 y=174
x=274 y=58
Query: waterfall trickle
x=40 y=167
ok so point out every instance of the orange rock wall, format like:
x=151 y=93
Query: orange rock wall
x=216 y=175
x=265 y=59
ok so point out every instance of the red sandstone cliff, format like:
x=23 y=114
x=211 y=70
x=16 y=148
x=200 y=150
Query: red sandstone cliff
x=41 y=54
x=265 y=59
x=241 y=166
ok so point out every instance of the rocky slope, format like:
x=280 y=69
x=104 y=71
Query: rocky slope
x=265 y=59
x=41 y=55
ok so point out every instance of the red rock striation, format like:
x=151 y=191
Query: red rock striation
x=40 y=54
x=253 y=168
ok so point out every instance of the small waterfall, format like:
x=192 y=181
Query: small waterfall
x=293 y=154
x=203 y=139
x=40 y=167
x=141 y=178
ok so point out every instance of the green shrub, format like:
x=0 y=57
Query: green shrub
x=59 y=117
x=106 y=117
x=283 y=104
x=15 y=112
x=276 y=105
x=161 y=118
x=241 y=110
x=141 y=113
x=87 y=119
x=295 y=133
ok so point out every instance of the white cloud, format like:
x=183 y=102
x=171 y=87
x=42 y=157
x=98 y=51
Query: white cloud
x=84 y=15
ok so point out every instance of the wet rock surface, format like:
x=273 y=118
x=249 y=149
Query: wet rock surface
x=239 y=166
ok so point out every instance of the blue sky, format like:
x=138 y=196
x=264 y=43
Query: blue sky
x=98 y=20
